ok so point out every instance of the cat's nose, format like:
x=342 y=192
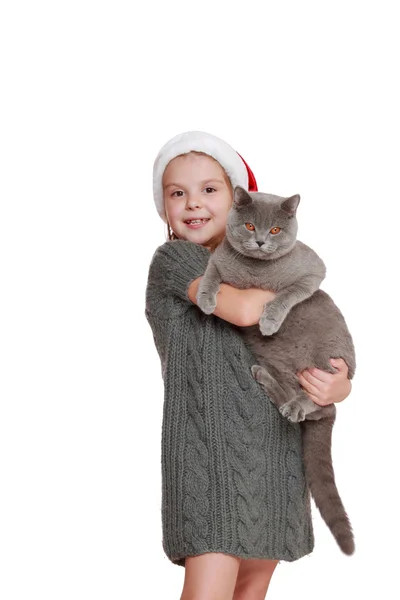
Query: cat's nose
x=260 y=243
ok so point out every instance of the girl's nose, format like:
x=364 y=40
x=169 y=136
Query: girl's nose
x=193 y=201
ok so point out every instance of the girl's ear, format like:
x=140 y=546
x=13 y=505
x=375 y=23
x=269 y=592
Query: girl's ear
x=289 y=205
x=241 y=197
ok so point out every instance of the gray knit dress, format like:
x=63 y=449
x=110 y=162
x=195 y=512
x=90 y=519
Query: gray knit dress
x=232 y=468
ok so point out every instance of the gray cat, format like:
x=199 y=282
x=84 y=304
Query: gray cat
x=300 y=328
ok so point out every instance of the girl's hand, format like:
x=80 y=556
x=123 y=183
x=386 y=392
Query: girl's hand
x=326 y=388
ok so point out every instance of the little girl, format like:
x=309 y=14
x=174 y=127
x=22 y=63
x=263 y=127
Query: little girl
x=234 y=497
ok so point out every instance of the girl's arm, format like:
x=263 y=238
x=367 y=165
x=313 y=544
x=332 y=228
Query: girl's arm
x=240 y=307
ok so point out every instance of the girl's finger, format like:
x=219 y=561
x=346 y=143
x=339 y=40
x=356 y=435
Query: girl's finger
x=339 y=364
x=309 y=387
x=317 y=377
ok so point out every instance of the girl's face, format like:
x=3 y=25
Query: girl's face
x=197 y=198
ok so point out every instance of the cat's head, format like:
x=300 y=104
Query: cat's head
x=260 y=225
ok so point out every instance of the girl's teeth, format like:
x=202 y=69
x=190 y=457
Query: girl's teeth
x=196 y=221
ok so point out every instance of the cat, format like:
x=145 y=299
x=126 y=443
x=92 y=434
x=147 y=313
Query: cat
x=300 y=328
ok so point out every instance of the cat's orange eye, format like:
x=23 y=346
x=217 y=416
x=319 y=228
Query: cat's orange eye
x=275 y=230
x=250 y=226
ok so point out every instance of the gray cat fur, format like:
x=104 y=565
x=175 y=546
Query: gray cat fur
x=301 y=328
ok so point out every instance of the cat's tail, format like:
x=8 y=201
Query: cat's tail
x=317 y=443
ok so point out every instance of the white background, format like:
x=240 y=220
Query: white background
x=308 y=93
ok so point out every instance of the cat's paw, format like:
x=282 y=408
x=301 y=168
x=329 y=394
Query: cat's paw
x=207 y=302
x=272 y=318
x=257 y=372
x=293 y=411
x=268 y=327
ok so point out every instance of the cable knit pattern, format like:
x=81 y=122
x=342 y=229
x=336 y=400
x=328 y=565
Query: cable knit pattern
x=297 y=527
x=232 y=470
x=245 y=433
x=196 y=503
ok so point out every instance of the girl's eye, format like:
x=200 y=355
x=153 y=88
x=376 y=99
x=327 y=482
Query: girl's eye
x=275 y=230
x=210 y=190
x=250 y=226
x=178 y=194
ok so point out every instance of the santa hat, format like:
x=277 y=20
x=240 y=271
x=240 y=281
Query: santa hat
x=235 y=166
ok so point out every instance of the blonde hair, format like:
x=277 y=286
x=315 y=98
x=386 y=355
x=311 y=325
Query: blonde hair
x=170 y=233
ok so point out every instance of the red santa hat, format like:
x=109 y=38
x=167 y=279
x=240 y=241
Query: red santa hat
x=235 y=166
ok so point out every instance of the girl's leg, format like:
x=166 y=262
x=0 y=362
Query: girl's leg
x=253 y=579
x=210 y=576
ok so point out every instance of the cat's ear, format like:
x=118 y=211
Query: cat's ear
x=241 y=197
x=289 y=205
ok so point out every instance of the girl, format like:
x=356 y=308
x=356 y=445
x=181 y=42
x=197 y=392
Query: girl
x=234 y=497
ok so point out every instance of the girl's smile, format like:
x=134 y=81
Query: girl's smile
x=196 y=223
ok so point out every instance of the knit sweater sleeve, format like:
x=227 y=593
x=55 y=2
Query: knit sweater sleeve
x=173 y=267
